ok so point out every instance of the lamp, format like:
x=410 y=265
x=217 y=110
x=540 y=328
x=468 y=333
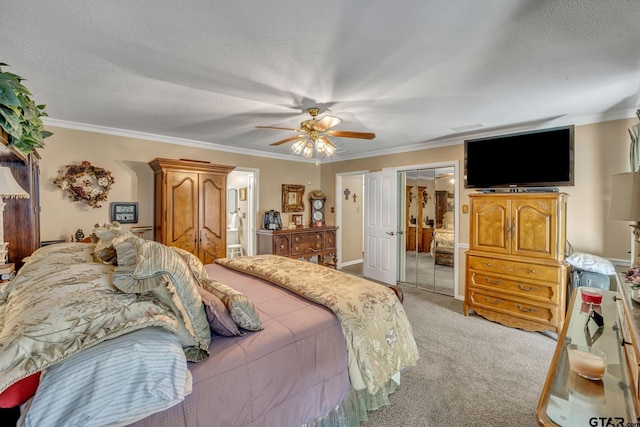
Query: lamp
x=9 y=189
x=625 y=205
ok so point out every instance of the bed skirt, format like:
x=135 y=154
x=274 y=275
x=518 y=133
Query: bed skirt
x=353 y=410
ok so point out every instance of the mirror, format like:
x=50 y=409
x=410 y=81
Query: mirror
x=427 y=221
x=232 y=200
x=292 y=198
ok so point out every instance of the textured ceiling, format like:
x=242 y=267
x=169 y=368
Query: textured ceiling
x=418 y=73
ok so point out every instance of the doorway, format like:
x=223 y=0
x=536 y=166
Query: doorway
x=426 y=224
x=241 y=206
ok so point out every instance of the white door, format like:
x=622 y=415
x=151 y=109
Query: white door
x=380 y=227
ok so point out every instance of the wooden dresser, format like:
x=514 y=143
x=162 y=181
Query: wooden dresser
x=300 y=243
x=516 y=274
x=190 y=206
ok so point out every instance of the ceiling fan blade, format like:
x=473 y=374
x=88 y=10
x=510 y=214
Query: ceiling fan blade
x=349 y=134
x=275 y=127
x=327 y=122
x=293 y=138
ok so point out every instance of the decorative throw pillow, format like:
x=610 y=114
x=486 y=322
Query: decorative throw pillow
x=20 y=391
x=241 y=308
x=107 y=235
x=218 y=316
x=593 y=263
x=194 y=263
x=148 y=266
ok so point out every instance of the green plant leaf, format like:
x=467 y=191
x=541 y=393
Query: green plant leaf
x=7 y=95
x=20 y=116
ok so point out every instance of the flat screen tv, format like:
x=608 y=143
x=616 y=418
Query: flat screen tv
x=542 y=158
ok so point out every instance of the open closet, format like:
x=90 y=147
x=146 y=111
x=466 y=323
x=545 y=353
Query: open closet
x=428 y=227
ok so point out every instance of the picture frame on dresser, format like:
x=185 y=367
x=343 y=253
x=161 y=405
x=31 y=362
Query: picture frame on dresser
x=297 y=220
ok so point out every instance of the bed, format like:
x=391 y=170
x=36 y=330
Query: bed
x=296 y=353
x=443 y=243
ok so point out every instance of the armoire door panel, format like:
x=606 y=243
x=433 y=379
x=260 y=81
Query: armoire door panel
x=182 y=207
x=535 y=228
x=491 y=226
x=212 y=209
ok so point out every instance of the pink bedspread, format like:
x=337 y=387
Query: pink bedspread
x=292 y=372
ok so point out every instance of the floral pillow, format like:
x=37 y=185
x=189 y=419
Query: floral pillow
x=242 y=310
x=105 y=237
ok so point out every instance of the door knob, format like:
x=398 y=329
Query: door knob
x=391 y=233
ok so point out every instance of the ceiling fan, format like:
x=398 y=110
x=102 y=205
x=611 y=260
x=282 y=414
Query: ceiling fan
x=314 y=134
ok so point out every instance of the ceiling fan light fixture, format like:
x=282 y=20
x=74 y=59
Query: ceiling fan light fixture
x=313 y=137
x=299 y=146
x=308 y=150
x=329 y=149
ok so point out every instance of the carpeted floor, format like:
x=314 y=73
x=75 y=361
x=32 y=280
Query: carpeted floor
x=421 y=271
x=471 y=372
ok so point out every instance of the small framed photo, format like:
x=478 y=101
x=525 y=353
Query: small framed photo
x=124 y=212
x=297 y=220
x=242 y=194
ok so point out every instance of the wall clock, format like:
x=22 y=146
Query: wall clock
x=124 y=213
x=317 y=200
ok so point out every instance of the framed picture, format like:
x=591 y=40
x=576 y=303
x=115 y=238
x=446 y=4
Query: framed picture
x=124 y=212
x=297 y=220
x=292 y=198
x=242 y=194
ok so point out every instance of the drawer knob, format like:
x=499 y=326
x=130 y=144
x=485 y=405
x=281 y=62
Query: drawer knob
x=526 y=310
x=532 y=271
x=527 y=288
x=488 y=264
x=493 y=282
x=496 y=301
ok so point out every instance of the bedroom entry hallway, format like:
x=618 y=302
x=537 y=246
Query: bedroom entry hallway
x=241 y=215
x=425 y=234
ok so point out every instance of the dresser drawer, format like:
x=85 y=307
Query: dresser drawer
x=329 y=240
x=523 y=310
x=306 y=243
x=515 y=287
x=546 y=273
x=630 y=347
x=281 y=245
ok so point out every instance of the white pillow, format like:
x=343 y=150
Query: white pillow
x=116 y=382
x=593 y=263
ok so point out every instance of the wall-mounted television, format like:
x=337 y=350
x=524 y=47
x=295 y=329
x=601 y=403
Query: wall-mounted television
x=542 y=158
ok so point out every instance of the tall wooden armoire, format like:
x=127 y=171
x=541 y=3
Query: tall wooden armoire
x=516 y=274
x=190 y=206
x=21 y=216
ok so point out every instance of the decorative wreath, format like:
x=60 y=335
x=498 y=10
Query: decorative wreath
x=85 y=182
